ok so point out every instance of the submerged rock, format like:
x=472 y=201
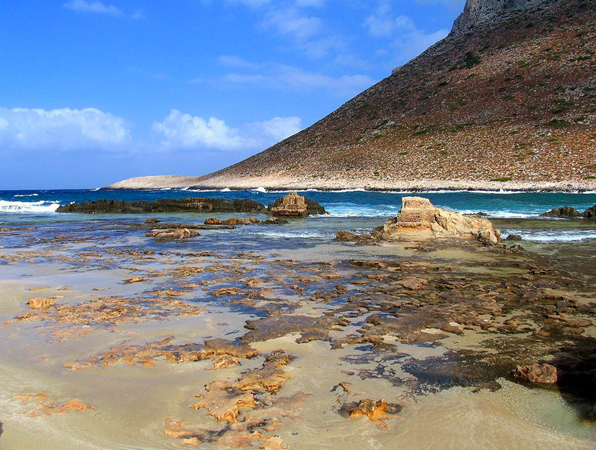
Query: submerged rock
x=294 y=205
x=419 y=216
x=172 y=234
x=40 y=303
x=243 y=221
x=537 y=373
x=347 y=236
x=164 y=205
x=232 y=221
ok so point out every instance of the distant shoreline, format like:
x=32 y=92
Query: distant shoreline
x=286 y=184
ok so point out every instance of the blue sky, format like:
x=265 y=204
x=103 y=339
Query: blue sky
x=95 y=91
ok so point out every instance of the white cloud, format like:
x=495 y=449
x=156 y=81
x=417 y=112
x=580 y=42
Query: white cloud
x=236 y=61
x=192 y=132
x=277 y=128
x=298 y=3
x=291 y=22
x=61 y=129
x=96 y=7
x=138 y=15
x=280 y=76
x=306 y=3
x=454 y=4
x=306 y=32
x=407 y=38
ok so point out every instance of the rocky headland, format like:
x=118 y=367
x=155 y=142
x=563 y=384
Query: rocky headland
x=506 y=101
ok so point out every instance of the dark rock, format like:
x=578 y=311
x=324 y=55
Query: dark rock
x=567 y=212
x=232 y=221
x=275 y=221
x=347 y=236
x=590 y=213
x=514 y=237
x=180 y=226
x=199 y=205
x=294 y=205
x=152 y=220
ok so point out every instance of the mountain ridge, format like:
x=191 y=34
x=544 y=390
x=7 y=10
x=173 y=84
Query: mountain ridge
x=505 y=101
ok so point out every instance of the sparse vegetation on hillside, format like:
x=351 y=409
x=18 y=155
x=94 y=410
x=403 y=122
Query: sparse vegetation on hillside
x=513 y=95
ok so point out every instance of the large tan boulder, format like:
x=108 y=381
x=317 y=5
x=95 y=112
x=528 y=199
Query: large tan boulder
x=294 y=205
x=419 y=217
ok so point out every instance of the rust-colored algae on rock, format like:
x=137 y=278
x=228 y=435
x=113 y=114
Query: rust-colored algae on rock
x=225 y=353
x=68 y=321
x=176 y=429
x=538 y=373
x=47 y=408
x=40 y=303
x=223 y=402
x=376 y=411
x=226 y=401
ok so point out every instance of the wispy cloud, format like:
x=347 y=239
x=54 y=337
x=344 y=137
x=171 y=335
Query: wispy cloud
x=307 y=32
x=61 y=130
x=180 y=130
x=406 y=37
x=280 y=76
x=95 y=7
x=138 y=14
x=454 y=4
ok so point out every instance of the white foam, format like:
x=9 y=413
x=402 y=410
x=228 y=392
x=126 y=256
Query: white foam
x=260 y=189
x=363 y=211
x=28 y=207
x=555 y=235
x=25 y=195
x=293 y=234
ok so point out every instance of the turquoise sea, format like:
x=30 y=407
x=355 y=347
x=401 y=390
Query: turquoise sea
x=351 y=209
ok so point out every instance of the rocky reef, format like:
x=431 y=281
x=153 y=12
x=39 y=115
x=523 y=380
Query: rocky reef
x=165 y=205
x=569 y=212
x=292 y=205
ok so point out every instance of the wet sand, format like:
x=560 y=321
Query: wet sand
x=335 y=346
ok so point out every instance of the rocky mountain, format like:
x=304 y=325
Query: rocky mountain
x=507 y=100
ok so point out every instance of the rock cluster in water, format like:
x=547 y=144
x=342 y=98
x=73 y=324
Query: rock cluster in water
x=419 y=218
x=292 y=205
x=165 y=205
x=569 y=212
x=295 y=205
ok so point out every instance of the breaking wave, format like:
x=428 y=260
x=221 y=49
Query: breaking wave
x=28 y=207
x=554 y=235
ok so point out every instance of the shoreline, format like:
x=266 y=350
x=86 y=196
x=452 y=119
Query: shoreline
x=283 y=184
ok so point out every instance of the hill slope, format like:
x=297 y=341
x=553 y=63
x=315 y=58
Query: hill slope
x=508 y=100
